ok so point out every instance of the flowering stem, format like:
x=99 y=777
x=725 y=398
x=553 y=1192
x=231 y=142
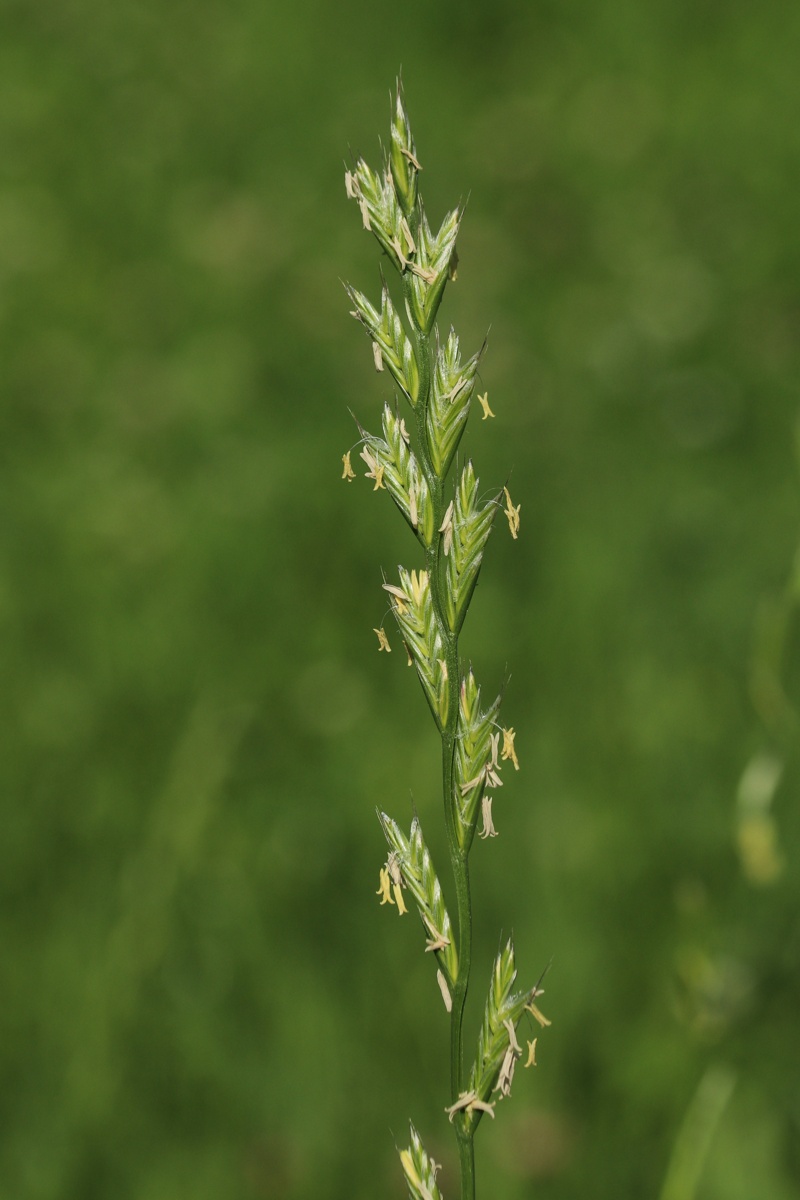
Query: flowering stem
x=452 y=525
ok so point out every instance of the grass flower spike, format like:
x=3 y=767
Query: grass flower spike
x=451 y=522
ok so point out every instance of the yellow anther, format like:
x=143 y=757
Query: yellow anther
x=385 y=890
x=512 y=515
x=348 y=473
x=537 y=1015
x=488 y=824
x=383 y=641
x=508 y=750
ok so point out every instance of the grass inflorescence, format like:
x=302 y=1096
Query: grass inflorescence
x=411 y=459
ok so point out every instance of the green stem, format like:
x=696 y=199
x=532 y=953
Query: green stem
x=466 y=1155
x=459 y=856
x=460 y=864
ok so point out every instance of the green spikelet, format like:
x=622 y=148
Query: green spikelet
x=415 y=614
x=421 y=880
x=388 y=335
x=503 y=1009
x=434 y=256
x=381 y=213
x=451 y=393
x=420 y=1170
x=403 y=157
x=469 y=527
x=401 y=474
x=475 y=759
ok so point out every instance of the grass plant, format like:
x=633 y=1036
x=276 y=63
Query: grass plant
x=439 y=496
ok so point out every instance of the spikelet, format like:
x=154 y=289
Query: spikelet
x=387 y=333
x=497 y=1044
x=420 y=878
x=420 y=1170
x=472 y=524
x=415 y=614
x=401 y=474
x=452 y=386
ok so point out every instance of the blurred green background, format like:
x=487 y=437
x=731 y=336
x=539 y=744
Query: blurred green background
x=200 y=996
